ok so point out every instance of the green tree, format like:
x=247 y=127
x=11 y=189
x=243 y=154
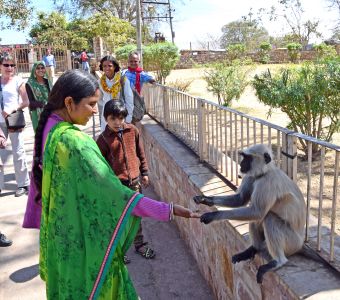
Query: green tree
x=227 y=82
x=50 y=29
x=162 y=58
x=265 y=48
x=324 y=51
x=15 y=14
x=309 y=94
x=159 y=57
x=114 y=31
x=294 y=15
x=122 y=9
x=53 y=29
x=294 y=51
x=236 y=51
x=244 y=32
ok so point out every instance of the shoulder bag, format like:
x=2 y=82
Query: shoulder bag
x=15 y=120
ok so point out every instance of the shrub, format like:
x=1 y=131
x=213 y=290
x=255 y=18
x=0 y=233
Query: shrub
x=236 y=51
x=180 y=84
x=309 y=95
x=294 y=52
x=227 y=82
x=324 y=51
x=265 y=48
x=158 y=57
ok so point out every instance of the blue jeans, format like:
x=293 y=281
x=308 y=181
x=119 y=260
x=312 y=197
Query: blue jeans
x=85 y=66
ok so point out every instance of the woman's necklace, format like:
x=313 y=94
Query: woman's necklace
x=114 y=90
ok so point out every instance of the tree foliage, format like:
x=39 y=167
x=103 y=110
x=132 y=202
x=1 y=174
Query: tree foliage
x=293 y=14
x=122 y=9
x=294 y=51
x=244 y=32
x=236 y=51
x=324 y=51
x=265 y=48
x=50 y=29
x=308 y=94
x=15 y=14
x=158 y=57
x=227 y=81
x=54 y=29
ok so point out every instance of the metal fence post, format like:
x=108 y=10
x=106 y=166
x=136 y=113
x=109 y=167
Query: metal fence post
x=166 y=107
x=202 y=132
x=289 y=155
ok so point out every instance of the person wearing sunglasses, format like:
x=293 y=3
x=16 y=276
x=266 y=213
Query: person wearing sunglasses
x=14 y=97
x=38 y=87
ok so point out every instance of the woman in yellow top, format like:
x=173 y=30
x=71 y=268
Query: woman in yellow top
x=110 y=86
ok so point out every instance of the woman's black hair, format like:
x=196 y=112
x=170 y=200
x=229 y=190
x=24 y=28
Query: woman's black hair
x=111 y=59
x=74 y=83
x=116 y=109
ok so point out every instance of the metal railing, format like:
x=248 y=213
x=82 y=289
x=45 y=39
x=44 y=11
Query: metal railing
x=217 y=133
x=25 y=56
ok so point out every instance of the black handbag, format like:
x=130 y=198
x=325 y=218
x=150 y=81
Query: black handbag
x=15 y=120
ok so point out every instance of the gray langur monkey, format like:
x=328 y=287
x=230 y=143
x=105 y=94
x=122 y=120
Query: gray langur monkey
x=276 y=210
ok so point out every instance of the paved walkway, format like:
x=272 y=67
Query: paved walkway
x=173 y=274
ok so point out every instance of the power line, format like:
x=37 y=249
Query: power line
x=167 y=16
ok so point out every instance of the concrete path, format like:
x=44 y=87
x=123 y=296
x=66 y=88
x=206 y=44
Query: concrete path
x=173 y=274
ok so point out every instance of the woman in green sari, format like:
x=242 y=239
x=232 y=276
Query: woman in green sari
x=38 y=87
x=89 y=219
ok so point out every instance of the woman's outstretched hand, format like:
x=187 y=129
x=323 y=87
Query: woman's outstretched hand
x=185 y=212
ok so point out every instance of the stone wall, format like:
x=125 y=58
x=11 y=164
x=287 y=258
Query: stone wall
x=190 y=58
x=177 y=175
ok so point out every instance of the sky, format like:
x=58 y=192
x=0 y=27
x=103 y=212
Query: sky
x=195 y=19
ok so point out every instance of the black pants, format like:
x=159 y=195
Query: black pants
x=136 y=186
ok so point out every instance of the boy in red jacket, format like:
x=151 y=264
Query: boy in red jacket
x=121 y=146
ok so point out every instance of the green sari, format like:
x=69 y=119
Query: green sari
x=40 y=93
x=86 y=224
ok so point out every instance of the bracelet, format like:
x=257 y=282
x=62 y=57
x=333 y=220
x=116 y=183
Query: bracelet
x=172 y=211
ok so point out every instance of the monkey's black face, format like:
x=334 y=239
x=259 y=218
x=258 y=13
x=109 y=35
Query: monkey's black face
x=246 y=163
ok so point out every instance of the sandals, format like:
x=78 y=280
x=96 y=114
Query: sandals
x=126 y=260
x=144 y=251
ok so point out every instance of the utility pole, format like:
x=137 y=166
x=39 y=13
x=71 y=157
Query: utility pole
x=168 y=16
x=139 y=31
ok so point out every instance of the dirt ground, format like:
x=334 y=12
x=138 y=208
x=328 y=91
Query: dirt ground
x=249 y=104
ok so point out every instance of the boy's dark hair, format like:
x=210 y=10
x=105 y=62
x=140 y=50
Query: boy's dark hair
x=116 y=109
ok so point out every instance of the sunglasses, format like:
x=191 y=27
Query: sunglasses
x=9 y=65
x=40 y=68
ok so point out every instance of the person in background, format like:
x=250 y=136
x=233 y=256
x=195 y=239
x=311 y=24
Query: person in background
x=50 y=64
x=38 y=87
x=111 y=87
x=89 y=218
x=123 y=149
x=84 y=61
x=135 y=73
x=14 y=97
x=4 y=241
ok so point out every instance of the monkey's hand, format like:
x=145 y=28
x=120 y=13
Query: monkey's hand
x=201 y=199
x=209 y=217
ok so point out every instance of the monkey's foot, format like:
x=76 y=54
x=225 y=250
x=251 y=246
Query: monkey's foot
x=201 y=199
x=264 y=269
x=246 y=254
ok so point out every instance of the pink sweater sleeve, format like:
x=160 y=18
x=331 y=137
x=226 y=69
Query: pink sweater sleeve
x=157 y=210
